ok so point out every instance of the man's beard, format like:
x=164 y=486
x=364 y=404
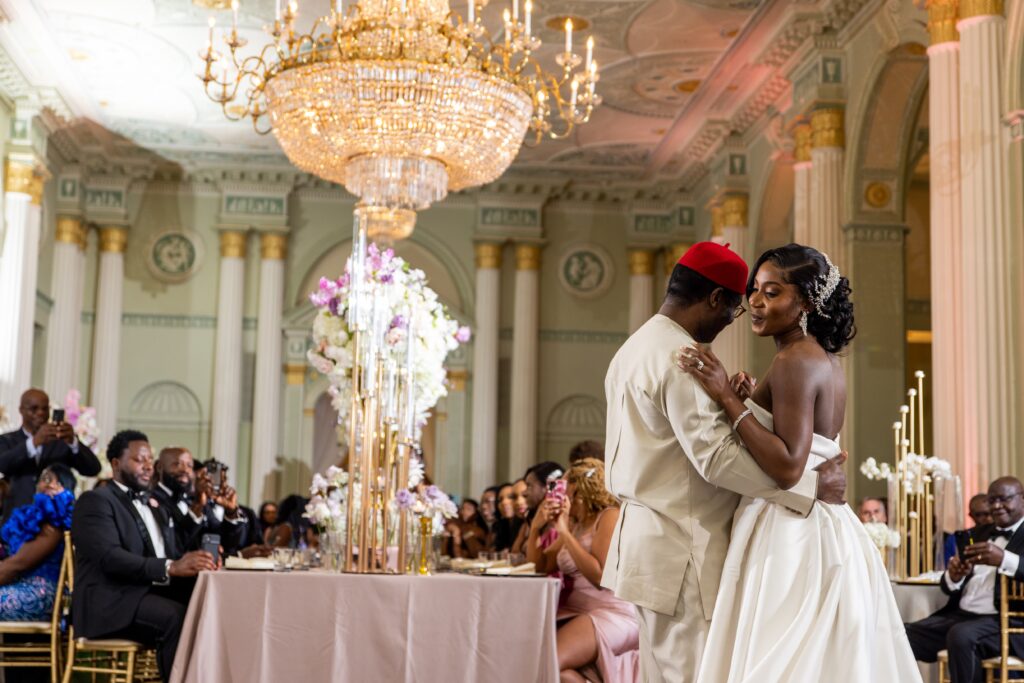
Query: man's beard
x=177 y=487
x=131 y=480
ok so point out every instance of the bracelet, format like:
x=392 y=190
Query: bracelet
x=736 y=424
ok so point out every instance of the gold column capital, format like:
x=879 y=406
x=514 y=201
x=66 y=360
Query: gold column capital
x=527 y=256
x=827 y=128
x=717 y=221
x=673 y=253
x=69 y=230
x=295 y=373
x=232 y=243
x=113 y=239
x=641 y=262
x=488 y=255
x=980 y=8
x=25 y=177
x=273 y=246
x=802 y=140
x=734 y=211
x=942 y=16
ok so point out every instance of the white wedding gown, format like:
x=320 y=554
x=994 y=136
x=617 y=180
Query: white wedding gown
x=804 y=599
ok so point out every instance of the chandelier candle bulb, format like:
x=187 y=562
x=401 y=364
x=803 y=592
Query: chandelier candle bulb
x=568 y=36
x=471 y=12
x=515 y=10
x=590 y=52
x=529 y=17
x=234 y=16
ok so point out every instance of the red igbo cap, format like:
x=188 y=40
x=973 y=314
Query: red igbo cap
x=718 y=263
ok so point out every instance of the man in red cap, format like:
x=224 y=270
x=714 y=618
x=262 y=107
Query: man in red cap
x=678 y=469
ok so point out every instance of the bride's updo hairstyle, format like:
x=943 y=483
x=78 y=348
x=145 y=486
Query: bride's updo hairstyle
x=830 y=319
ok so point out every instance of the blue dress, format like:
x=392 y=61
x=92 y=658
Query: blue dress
x=30 y=598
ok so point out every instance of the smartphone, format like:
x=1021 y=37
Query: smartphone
x=963 y=539
x=556 y=491
x=215 y=471
x=211 y=544
x=58 y=415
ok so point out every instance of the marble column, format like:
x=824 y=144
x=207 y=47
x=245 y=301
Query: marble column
x=523 y=420
x=106 y=351
x=227 y=378
x=990 y=316
x=19 y=263
x=77 y=304
x=946 y=236
x=733 y=345
x=65 y=319
x=802 y=184
x=483 y=463
x=827 y=141
x=641 y=287
x=266 y=414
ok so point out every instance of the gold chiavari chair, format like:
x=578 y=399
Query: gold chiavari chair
x=943 y=660
x=45 y=648
x=125 y=661
x=1011 y=616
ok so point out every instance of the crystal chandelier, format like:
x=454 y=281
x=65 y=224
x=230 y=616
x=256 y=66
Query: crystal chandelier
x=401 y=101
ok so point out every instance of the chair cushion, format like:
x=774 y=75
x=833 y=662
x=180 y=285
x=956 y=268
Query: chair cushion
x=993 y=663
x=24 y=627
x=106 y=644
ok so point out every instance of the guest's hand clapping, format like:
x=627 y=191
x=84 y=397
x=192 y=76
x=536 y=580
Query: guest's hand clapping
x=705 y=367
x=958 y=569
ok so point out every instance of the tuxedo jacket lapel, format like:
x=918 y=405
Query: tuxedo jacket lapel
x=126 y=501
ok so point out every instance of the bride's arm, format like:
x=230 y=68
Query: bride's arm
x=782 y=454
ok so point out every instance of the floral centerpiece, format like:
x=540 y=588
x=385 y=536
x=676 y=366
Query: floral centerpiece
x=82 y=418
x=329 y=492
x=407 y=295
x=882 y=536
x=431 y=506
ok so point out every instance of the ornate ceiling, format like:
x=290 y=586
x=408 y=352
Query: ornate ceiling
x=676 y=74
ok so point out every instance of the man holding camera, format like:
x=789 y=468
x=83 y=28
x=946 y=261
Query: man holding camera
x=39 y=443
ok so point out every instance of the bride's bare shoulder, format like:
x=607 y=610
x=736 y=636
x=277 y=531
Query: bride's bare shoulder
x=802 y=357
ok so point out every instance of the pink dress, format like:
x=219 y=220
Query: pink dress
x=615 y=624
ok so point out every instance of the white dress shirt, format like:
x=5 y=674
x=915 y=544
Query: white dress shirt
x=182 y=505
x=155 y=536
x=978 y=595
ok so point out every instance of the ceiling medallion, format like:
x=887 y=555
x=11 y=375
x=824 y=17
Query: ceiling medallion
x=402 y=101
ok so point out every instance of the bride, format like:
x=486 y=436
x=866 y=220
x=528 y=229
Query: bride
x=802 y=598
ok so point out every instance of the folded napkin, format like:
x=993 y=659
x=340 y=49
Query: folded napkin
x=253 y=563
x=528 y=568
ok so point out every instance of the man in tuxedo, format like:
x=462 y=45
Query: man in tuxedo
x=968 y=626
x=130 y=579
x=191 y=502
x=26 y=452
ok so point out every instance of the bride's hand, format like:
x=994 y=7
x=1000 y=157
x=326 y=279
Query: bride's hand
x=743 y=385
x=705 y=367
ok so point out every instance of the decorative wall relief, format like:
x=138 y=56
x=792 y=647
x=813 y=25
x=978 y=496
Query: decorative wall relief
x=586 y=271
x=173 y=256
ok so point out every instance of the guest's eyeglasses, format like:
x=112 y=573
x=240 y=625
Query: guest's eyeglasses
x=1001 y=500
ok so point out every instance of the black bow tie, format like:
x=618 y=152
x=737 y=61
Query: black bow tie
x=141 y=496
x=1004 y=533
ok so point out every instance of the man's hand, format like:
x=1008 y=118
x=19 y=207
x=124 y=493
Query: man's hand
x=984 y=553
x=45 y=434
x=65 y=432
x=228 y=499
x=190 y=564
x=958 y=569
x=832 y=480
x=203 y=491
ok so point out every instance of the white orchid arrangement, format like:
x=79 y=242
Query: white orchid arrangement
x=914 y=470
x=404 y=291
x=430 y=502
x=329 y=492
x=882 y=536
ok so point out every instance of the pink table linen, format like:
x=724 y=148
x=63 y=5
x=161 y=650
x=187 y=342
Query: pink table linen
x=264 y=627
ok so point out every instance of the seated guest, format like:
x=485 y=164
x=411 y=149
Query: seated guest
x=26 y=452
x=508 y=523
x=968 y=626
x=190 y=502
x=872 y=510
x=292 y=526
x=34 y=536
x=468 y=536
x=489 y=515
x=223 y=513
x=128 y=568
x=596 y=627
x=978 y=511
x=268 y=519
x=586 y=449
x=537 y=482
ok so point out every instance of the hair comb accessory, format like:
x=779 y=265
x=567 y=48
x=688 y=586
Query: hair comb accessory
x=825 y=287
x=589 y=473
